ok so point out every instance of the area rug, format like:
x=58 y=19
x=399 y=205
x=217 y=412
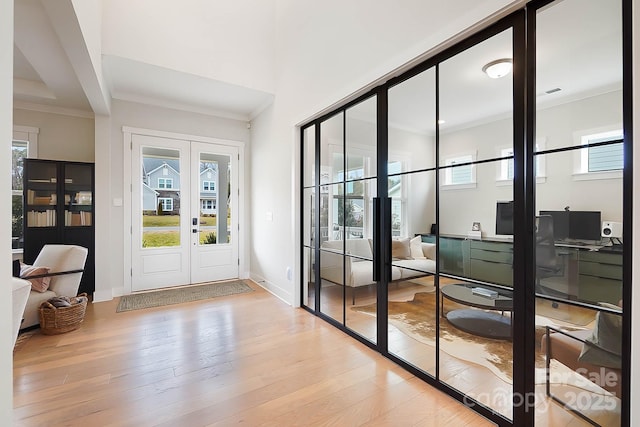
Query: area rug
x=416 y=318
x=180 y=295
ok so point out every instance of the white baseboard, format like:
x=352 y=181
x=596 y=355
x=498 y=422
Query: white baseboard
x=273 y=289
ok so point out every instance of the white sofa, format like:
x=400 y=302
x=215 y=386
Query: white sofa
x=411 y=258
x=58 y=258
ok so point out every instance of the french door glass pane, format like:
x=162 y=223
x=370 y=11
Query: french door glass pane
x=215 y=201
x=332 y=263
x=160 y=190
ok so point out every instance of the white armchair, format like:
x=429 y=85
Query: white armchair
x=20 y=293
x=59 y=259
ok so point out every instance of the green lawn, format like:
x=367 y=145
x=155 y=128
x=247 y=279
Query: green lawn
x=172 y=220
x=155 y=239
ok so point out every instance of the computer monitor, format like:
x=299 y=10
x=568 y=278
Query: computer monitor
x=560 y=223
x=585 y=225
x=504 y=218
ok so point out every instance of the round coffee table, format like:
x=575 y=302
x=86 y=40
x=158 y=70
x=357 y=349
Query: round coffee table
x=488 y=324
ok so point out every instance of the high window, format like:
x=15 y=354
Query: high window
x=165 y=183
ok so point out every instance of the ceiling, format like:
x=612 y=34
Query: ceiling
x=587 y=62
x=44 y=75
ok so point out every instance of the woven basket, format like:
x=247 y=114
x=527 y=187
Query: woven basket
x=58 y=320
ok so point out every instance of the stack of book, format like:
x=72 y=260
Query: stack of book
x=41 y=219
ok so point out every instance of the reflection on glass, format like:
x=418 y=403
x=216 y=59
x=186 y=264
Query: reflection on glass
x=412 y=122
x=160 y=189
x=215 y=200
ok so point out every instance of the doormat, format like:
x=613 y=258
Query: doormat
x=180 y=295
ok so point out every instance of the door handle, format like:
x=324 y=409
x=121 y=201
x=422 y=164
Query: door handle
x=376 y=240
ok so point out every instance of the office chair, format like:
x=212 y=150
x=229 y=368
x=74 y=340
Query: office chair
x=547 y=264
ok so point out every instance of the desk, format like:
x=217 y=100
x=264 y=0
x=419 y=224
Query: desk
x=593 y=273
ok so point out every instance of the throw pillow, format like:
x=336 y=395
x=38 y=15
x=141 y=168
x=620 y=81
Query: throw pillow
x=415 y=245
x=604 y=346
x=39 y=284
x=429 y=250
x=400 y=249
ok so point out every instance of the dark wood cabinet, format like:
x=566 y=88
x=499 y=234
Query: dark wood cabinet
x=59 y=208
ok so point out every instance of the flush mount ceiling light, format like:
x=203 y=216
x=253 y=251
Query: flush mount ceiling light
x=498 y=68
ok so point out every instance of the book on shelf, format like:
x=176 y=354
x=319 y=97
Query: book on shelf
x=77 y=218
x=41 y=218
x=83 y=198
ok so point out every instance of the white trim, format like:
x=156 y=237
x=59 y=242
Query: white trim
x=73 y=112
x=588 y=176
x=127 y=132
x=30 y=135
x=448 y=187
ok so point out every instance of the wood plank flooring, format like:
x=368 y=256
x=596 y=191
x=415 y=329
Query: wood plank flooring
x=244 y=359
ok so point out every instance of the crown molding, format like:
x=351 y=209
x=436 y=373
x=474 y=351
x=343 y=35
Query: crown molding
x=52 y=109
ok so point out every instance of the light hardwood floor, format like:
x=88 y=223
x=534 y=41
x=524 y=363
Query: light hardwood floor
x=244 y=359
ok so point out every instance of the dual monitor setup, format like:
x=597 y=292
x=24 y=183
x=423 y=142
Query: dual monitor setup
x=568 y=225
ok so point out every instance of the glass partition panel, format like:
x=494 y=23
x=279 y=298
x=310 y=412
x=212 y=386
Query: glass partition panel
x=579 y=291
x=361 y=140
x=476 y=118
x=332 y=263
x=476 y=176
x=332 y=150
x=412 y=122
x=579 y=212
x=309 y=156
x=308 y=278
x=412 y=297
x=361 y=290
x=309 y=218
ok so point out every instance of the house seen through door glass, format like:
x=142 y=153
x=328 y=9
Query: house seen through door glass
x=160 y=197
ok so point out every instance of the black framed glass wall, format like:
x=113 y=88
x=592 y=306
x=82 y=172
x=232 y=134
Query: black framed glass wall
x=473 y=297
x=579 y=207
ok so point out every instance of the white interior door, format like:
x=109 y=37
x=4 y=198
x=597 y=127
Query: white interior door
x=184 y=212
x=214 y=201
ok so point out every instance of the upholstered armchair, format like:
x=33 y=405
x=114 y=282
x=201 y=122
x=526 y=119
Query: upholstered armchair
x=66 y=265
x=20 y=293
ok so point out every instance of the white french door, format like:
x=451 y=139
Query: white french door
x=184 y=212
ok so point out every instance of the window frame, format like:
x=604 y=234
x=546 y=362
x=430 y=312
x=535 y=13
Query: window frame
x=211 y=184
x=28 y=135
x=163 y=201
x=166 y=181
x=612 y=134
x=449 y=161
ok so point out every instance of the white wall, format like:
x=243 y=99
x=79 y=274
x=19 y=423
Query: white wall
x=322 y=57
x=239 y=34
x=61 y=137
x=6 y=132
x=556 y=128
x=110 y=129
